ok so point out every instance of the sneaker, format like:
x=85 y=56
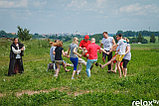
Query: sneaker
x=78 y=72
x=67 y=70
x=109 y=71
x=72 y=78
x=55 y=75
x=97 y=64
x=100 y=65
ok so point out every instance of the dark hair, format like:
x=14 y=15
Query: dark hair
x=14 y=38
x=120 y=35
x=58 y=44
x=105 y=32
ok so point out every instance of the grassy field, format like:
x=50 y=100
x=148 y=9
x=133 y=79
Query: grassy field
x=38 y=87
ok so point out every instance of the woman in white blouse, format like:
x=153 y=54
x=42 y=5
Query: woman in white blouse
x=16 y=53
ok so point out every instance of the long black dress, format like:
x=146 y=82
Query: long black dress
x=15 y=64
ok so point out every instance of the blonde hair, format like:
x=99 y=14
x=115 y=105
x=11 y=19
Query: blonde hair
x=75 y=39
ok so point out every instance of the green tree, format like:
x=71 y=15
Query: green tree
x=152 y=38
x=23 y=34
x=3 y=33
x=140 y=38
x=114 y=36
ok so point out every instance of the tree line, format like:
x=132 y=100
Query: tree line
x=134 y=37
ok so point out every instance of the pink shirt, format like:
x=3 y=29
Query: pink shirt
x=92 y=51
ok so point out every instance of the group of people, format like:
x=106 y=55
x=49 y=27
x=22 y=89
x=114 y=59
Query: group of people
x=89 y=51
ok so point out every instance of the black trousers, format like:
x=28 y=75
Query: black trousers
x=109 y=58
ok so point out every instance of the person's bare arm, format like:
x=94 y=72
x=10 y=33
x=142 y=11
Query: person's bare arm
x=68 y=52
x=127 y=49
x=63 y=53
x=54 y=52
x=112 y=49
x=113 y=41
x=74 y=51
x=101 y=49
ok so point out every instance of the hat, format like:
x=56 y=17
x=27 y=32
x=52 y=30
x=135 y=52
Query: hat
x=86 y=37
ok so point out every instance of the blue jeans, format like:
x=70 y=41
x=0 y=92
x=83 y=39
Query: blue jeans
x=75 y=62
x=89 y=64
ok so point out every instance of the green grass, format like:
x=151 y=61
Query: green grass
x=102 y=88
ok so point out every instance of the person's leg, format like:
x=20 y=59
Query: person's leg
x=70 y=65
x=88 y=66
x=57 y=70
x=79 y=68
x=119 y=69
x=64 y=64
x=115 y=68
x=89 y=63
x=75 y=63
x=104 y=57
x=80 y=62
x=109 y=62
x=122 y=70
x=54 y=66
x=125 y=62
x=112 y=65
x=109 y=58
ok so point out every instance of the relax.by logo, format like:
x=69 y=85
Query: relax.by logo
x=145 y=103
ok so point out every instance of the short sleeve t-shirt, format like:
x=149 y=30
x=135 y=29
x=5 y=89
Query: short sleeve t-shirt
x=58 y=53
x=122 y=46
x=128 y=55
x=107 y=43
x=52 y=56
x=92 y=51
x=72 y=46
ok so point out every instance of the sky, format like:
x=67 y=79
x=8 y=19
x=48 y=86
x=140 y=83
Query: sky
x=69 y=16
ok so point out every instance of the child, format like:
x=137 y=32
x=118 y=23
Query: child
x=58 y=57
x=74 y=55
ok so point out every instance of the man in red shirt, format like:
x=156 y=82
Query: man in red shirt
x=84 y=44
x=92 y=55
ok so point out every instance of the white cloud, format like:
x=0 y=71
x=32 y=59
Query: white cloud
x=85 y=5
x=38 y=3
x=77 y=3
x=100 y=3
x=13 y=4
x=138 y=9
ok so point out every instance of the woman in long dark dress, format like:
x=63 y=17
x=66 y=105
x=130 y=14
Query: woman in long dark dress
x=16 y=53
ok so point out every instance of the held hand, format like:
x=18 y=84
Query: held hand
x=87 y=55
x=107 y=53
x=68 y=56
x=22 y=48
x=80 y=55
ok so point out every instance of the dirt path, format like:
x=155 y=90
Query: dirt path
x=62 y=89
